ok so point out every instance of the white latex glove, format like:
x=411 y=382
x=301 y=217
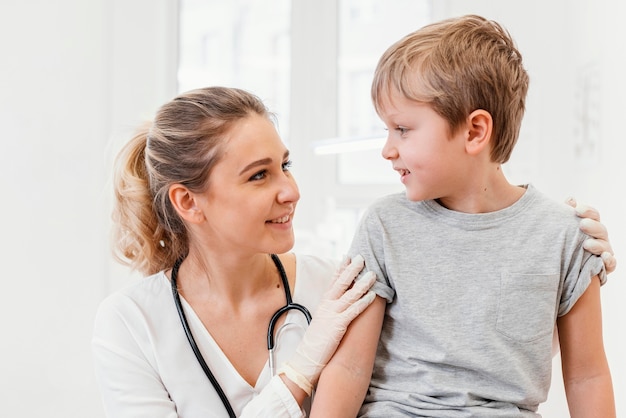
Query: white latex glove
x=591 y=225
x=339 y=306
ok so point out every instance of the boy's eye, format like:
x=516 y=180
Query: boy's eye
x=287 y=165
x=403 y=130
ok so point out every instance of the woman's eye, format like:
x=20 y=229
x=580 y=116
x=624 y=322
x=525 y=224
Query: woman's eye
x=259 y=176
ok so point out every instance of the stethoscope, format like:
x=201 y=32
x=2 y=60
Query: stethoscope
x=270 y=329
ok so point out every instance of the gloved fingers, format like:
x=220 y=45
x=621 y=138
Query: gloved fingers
x=596 y=229
x=357 y=291
x=359 y=306
x=610 y=262
x=603 y=249
x=597 y=246
x=346 y=278
x=584 y=211
x=345 y=262
x=571 y=201
x=350 y=297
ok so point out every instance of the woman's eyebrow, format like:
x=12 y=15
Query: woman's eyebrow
x=263 y=161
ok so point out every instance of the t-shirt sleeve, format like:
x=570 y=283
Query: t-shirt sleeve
x=368 y=241
x=583 y=266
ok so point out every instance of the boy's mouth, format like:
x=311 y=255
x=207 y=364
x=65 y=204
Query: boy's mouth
x=402 y=171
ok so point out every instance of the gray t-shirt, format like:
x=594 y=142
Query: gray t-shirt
x=472 y=304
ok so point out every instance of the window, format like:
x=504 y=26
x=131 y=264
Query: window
x=328 y=49
x=237 y=43
x=366 y=29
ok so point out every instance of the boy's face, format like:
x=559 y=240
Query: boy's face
x=429 y=159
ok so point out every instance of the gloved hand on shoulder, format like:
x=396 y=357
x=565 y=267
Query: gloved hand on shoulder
x=590 y=224
x=341 y=303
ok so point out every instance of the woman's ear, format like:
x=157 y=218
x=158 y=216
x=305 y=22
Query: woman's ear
x=480 y=126
x=184 y=202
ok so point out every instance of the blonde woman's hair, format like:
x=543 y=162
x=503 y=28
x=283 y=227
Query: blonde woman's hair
x=181 y=146
x=457 y=66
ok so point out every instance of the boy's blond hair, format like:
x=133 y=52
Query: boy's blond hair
x=457 y=66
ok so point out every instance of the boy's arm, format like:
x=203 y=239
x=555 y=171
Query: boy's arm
x=586 y=374
x=345 y=379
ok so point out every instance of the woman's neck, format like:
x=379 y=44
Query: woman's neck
x=233 y=279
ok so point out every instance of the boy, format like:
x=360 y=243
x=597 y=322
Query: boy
x=475 y=271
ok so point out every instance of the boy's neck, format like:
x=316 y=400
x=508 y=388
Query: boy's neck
x=484 y=195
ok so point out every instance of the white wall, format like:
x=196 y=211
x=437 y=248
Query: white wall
x=74 y=75
x=572 y=141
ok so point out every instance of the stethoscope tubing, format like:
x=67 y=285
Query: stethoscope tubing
x=290 y=305
x=194 y=346
x=272 y=326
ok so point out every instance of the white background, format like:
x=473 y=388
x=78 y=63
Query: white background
x=76 y=76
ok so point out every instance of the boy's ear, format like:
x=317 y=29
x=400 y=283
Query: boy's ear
x=480 y=126
x=184 y=202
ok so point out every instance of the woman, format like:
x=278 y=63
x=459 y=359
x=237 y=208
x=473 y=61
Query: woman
x=208 y=190
x=203 y=198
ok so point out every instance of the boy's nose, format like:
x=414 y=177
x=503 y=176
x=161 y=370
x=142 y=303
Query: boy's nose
x=389 y=151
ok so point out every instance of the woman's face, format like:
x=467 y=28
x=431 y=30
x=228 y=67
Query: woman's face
x=251 y=199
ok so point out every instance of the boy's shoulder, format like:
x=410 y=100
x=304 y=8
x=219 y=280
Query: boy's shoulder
x=390 y=201
x=543 y=205
x=549 y=219
x=532 y=205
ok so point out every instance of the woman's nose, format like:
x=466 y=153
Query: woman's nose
x=289 y=191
